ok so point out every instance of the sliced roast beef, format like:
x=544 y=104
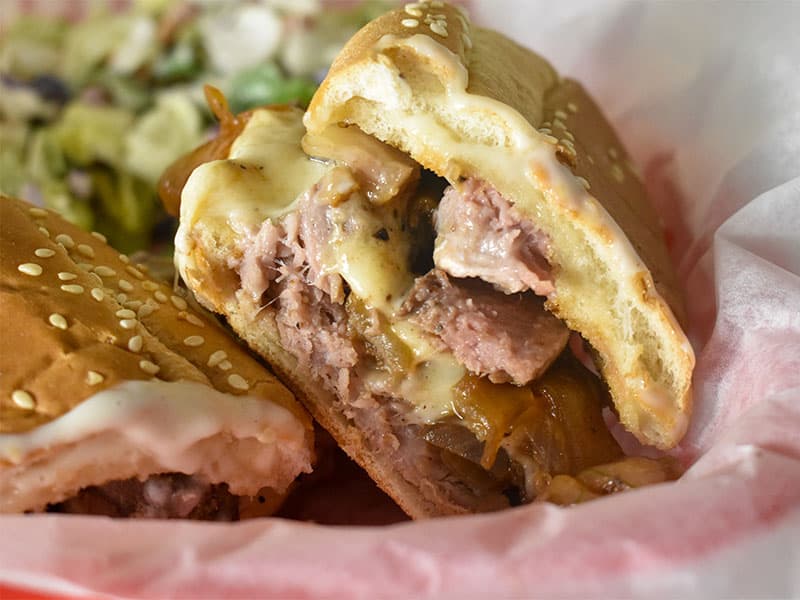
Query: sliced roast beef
x=510 y=338
x=479 y=234
x=168 y=496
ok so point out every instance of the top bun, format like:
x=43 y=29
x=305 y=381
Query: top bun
x=468 y=103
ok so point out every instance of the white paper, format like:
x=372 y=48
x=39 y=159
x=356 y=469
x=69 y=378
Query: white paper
x=706 y=97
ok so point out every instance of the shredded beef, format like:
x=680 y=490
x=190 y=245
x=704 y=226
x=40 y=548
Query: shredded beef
x=168 y=496
x=479 y=234
x=280 y=270
x=507 y=337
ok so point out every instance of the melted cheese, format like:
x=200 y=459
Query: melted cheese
x=377 y=271
x=265 y=172
x=370 y=251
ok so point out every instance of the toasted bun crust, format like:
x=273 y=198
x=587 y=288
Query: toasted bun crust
x=78 y=320
x=466 y=102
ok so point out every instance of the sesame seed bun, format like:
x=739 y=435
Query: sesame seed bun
x=465 y=102
x=107 y=374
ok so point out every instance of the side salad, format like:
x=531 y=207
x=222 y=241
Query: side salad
x=93 y=110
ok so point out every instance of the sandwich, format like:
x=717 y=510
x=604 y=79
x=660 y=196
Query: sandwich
x=451 y=260
x=118 y=398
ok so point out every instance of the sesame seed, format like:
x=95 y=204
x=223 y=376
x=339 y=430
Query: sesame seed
x=437 y=4
x=410 y=23
x=98 y=294
x=590 y=159
x=149 y=367
x=121 y=298
x=135 y=343
x=560 y=114
x=125 y=285
x=84 y=266
x=128 y=323
x=95 y=278
x=134 y=271
x=179 y=302
x=612 y=152
x=65 y=240
x=124 y=259
x=414 y=11
x=100 y=236
x=150 y=286
x=584 y=182
x=466 y=40
x=559 y=123
x=104 y=271
x=547 y=124
x=125 y=313
x=238 y=382
x=617 y=173
x=160 y=296
x=196 y=321
x=550 y=139
x=31 y=269
x=94 y=378
x=57 y=320
x=569 y=136
x=216 y=358
x=23 y=399
x=572 y=107
x=35 y=211
x=44 y=252
x=72 y=288
x=194 y=340
x=545 y=130
x=462 y=21
x=225 y=365
x=568 y=144
x=133 y=304
x=145 y=311
x=44 y=231
x=438 y=29
x=86 y=250
x=633 y=169
x=65 y=276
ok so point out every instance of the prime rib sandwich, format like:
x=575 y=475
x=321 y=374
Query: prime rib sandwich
x=440 y=257
x=119 y=399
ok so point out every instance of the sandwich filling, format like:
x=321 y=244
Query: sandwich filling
x=419 y=305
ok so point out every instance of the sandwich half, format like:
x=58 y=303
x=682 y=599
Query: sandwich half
x=440 y=257
x=120 y=399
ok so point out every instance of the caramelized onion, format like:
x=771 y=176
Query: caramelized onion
x=383 y=344
x=618 y=476
x=383 y=172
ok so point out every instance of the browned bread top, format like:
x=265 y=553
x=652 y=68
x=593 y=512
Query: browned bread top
x=78 y=318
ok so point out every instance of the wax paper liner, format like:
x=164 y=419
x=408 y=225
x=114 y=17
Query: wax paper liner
x=707 y=98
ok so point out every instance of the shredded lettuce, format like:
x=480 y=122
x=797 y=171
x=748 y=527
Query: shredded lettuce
x=32 y=46
x=170 y=129
x=89 y=133
x=128 y=208
x=266 y=84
